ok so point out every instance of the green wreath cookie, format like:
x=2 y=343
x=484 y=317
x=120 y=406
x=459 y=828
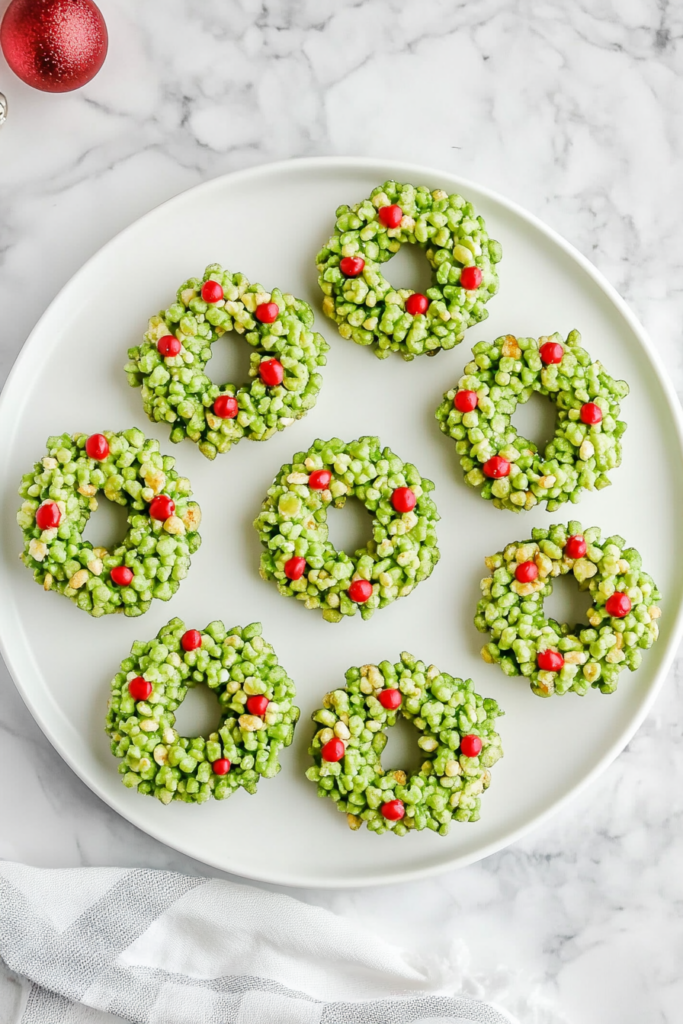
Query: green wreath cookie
x=169 y=365
x=502 y=464
x=59 y=496
x=557 y=657
x=456 y=736
x=293 y=528
x=257 y=714
x=363 y=303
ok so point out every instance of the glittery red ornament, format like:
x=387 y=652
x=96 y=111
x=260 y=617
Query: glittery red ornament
x=54 y=45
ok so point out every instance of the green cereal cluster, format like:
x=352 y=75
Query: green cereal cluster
x=235 y=664
x=401 y=552
x=595 y=654
x=507 y=372
x=369 y=310
x=443 y=709
x=176 y=389
x=134 y=472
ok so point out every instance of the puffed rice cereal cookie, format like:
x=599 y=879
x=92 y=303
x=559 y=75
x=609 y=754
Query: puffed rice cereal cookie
x=298 y=554
x=255 y=695
x=501 y=464
x=363 y=303
x=169 y=366
x=455 y=733
x=59 y=496
x=561 y=657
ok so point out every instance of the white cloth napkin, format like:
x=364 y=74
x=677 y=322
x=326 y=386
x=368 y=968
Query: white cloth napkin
x=96 y=945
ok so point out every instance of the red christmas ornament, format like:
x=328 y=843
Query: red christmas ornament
x=54 y=45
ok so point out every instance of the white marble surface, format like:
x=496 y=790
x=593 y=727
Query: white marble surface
x=570 y=108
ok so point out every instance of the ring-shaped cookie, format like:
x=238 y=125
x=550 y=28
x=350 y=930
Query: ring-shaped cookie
x=169 y=365
x=504 y=466
x=363 y=303
x=455 y=735
x=61 y=493
x=558 y=657
x=292 y=526
x=255 y=695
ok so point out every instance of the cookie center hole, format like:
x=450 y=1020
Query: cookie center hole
x=535 y=420
x=349 y=528
x=107 y=525
x=229 y=362
x=567 y=603
x=409 y=268
x=199 y=714
x=402 y=750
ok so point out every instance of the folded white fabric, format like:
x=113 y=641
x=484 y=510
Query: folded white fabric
x=96 y=945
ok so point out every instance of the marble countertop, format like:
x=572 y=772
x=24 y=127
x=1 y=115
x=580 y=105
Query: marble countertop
x=573 y=110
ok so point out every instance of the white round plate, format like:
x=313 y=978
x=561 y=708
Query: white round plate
x=269 y=223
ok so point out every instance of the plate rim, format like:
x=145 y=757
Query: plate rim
x=411 y=171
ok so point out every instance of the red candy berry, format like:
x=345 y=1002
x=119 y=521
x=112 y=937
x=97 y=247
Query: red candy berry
x=48 y=516
x=470 y=278
x=294 y=568
x=360 y=591
x=470 y=746
x=257 y=704
x=333 y=750
x=191 y=640
x=390 y=699
x=618 y=605
x=267 y=312
x=169 y=345
x=212 y=291
x=97 y=447
x=526 y=572
x=394 y=810
x=403 y=499
x=465 y=401
x=121 y=575
x=390 y=216
x=139 y=688
x=222 y=766
x=576 y=546
x=591 y=413
x=551 y=352
x=162 y=507
x=226 y=407
x=271 y=372
x=351 y=266
x=496 y=467
x=416 y=304
x=549 y=661
x=319 y=480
